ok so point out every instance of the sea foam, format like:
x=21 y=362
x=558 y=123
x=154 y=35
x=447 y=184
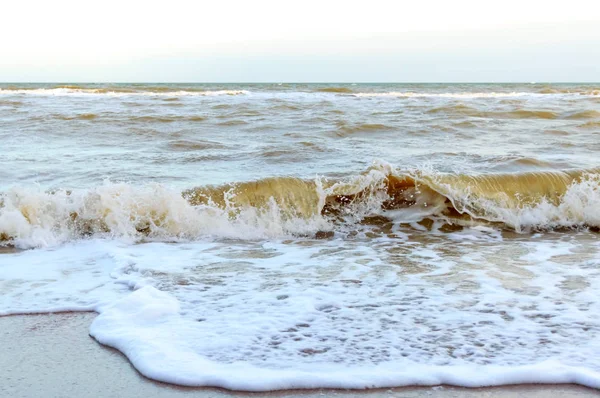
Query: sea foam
x=403 y=309
x=258 y=325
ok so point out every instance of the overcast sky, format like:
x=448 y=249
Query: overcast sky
x=301 y=41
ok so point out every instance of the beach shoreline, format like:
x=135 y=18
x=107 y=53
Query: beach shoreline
x=52 y=355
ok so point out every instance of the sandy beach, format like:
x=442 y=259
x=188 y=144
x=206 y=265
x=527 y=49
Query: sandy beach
x=53 y=356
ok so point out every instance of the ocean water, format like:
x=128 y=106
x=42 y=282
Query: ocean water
x=273 y=236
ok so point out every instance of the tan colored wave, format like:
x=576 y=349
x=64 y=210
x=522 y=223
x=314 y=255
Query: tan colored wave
x=588 y=114
x=527 y=162
x=10 y=103
x=83 y=116
x=345 y=129
x=119 y=91
x=193 y=145
x=509 y=190
x=280 y=206
x=168 y=89
x=168 y=119
x=580 y=91
x=516 y=114
x=524 y=114
x=340 y=90
x=556 y=132
x=455 y=109
x=71 y=86
x=111 y=90
x=235 y=122
x=487 y=197
x=292 y=195
x=591 y=125
x=286 y=107
x=465 y=124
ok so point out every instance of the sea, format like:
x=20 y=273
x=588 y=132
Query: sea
x=279 y=236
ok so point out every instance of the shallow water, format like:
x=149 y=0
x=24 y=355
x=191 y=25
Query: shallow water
x=262 y=237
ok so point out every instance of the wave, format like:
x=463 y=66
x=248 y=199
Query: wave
x=11 y=103
x=465 y=110
x=83 y=116
x=475 y=95
x=523 y=161
x=465 y=95
x=174 y=91
x=340 y=90
x=588 y=114
x=590 y=125
x=234 y=122
x=286 y=107
x=580 y=91
x=286 y=206
x=118 y=92
x=543 y=93
x=193 y=145
x=473 y=112
x=145 y=119
x=345 y=129
x=168 y=119
x=523 y=114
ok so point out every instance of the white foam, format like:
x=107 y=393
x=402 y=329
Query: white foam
x=579 y=206
x=271 y=314
x=463 y=95
x=147 y=328
x=310 y=317
x=74 y=277
x=61 y=92
x=35 y=218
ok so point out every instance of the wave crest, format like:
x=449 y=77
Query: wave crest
x=118 y=92
x=285 y=206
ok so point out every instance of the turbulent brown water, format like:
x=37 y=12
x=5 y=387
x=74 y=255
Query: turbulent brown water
x=311 y=235
x=481 y=196
x=497 y=153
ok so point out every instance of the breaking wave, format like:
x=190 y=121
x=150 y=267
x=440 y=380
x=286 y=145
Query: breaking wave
x=190 y=90
x=286 y=206
x=118 y=92
x=409 y=94
x=474 y=95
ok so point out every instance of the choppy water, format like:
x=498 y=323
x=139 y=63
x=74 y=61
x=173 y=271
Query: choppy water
x=274 y=236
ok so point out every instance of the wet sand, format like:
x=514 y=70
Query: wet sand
x=52 y=355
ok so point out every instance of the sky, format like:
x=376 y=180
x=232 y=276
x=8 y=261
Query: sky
x=300 y=41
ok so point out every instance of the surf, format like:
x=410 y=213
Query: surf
x=288 y=206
